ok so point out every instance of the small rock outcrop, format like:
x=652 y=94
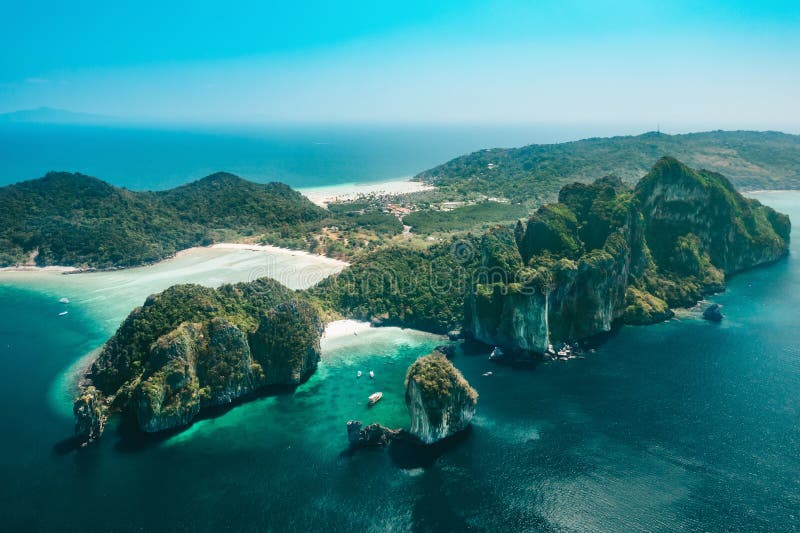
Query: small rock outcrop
x=440 y=401
x=371 y=435
x=448 y=350
x=713 y=313
x=90 y=415
x=455 y=334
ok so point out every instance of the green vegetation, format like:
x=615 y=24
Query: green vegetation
x=77 y=220
x=191 y=347
x=606 y=253
x=471 y=217
x=126 y=354
x=72 y=219
x=402 y=285
x=438 y=381
x=535 y=173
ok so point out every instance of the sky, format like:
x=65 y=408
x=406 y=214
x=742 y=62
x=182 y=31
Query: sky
x=680 y=64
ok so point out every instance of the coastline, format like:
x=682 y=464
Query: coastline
x=768 y=191
x=33 y=268
x=344 y=192
x=344 y=328
x=188 y=252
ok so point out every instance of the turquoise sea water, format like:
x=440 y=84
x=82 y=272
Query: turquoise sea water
x=685 y=425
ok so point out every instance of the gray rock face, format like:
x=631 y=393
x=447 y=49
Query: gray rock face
x=209 y=363
x=287 y=343
x=371 y=435
x=439 y=400
x=449 y=350
x=736 y=232
x=606 y=253
x=89 y=410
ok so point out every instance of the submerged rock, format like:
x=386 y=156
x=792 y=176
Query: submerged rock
x=713 y=313
x=371 y=435
x=448 y=350
x=440 y=401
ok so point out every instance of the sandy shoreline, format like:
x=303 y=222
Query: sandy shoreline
x=344 y=328
x=27 y=268
x=322 y=196
x=768 y=191
x=188 y=252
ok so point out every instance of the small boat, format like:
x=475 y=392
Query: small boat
x=62 y=313
x=496 y=354
x=371 y=374
x=487 y=374
x=358 y=375
x=64 y=300
x=563 y=353
x=373 y=398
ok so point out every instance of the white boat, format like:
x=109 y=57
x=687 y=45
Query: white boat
x=359 y=374
x=64 y=300
x=497 y=353
x=487 y=374
x=62 y=313
x=371 y=374
x=373 y=398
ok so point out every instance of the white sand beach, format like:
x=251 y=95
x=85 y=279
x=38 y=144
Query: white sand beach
x=342 y=328
x=322 y=196
x=342 y=338
x=111 y=295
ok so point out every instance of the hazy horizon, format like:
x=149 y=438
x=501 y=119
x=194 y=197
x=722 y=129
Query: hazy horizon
x=722 y=65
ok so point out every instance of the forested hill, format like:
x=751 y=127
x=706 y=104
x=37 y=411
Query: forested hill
x=751 y=160
x=73 y=219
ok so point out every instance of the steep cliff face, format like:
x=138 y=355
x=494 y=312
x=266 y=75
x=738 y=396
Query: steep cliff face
x=735 y=232
x=192 y=348
x=508 y=315
x=194 y=366
x=286 y=344
x=439 y=399
x=606 y=253
x=90 y=414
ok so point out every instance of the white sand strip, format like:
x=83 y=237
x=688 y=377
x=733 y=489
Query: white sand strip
x=344 y=192
x=345 y=328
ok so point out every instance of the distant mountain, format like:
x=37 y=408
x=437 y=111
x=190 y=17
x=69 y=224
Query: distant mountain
x=51 y=115
x=535 y=173
x=78 y=220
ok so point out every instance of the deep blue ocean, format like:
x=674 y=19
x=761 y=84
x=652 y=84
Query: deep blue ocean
x=681 y=426
x=159 y=157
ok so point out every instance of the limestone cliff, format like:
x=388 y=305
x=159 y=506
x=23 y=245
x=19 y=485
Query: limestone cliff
x=191 y=348
x=439 y=399
x=606 y=253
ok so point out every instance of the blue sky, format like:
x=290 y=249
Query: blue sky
x=680 y=64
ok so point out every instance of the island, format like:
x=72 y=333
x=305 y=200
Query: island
x=604 y=254
x=191 y=348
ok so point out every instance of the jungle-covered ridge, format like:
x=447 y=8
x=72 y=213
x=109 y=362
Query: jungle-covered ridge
x=535 y=173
